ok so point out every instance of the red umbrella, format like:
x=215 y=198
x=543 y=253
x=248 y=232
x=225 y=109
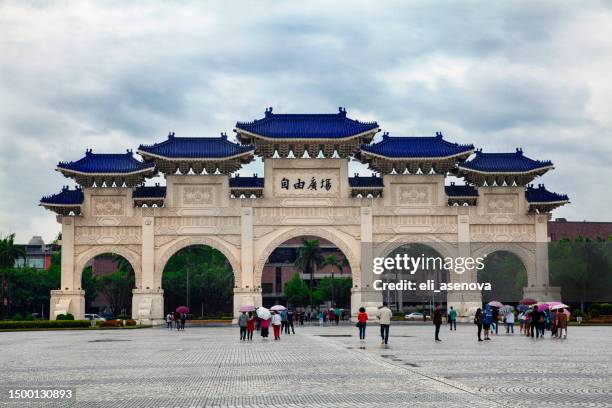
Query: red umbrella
x=528 y=301
x=182 y=309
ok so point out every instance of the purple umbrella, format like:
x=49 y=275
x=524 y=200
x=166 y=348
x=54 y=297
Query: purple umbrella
x=247 y=308
x=182 y=309
x=541 y=307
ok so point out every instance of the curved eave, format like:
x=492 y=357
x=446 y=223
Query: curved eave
x=63 y=170
x=543 y=169
x=43 y=204
x=555 y=203
x=435 y=158
x=240 y=131
x=146 y=154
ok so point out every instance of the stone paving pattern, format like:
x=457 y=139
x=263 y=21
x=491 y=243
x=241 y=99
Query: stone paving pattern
x=319 y=367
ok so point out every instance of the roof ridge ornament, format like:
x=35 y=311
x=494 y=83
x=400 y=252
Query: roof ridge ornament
x=129 y=152
x=385 y=135
x=268 y=112
x=170 y=135
x=342 y=111
x=88 y=152
x=223 y=136
x=439 y=135
x=519 y=151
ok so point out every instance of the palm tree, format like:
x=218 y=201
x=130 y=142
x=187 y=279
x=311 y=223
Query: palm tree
x=309 y=256
x=333 y=262
x=9 y=253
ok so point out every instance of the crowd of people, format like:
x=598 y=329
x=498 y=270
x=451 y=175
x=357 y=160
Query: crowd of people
x=281 y=321
x=176 y=320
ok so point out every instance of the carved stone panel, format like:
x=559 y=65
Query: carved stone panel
x=107 y=235
x=197 y=195
x=107 y=205
x=502 y=204
x=414 y=195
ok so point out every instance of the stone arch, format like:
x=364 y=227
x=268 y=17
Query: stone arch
x=212 y=242
x=131 y=256
x=332 y=236
x=444 y=248
x=525 y=255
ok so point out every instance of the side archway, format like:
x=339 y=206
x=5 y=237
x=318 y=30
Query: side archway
x=524 y=254
x=131 y=256
x=215 y=243
x=331 y=236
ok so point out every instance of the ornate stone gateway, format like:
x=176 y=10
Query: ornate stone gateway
x=306 y=191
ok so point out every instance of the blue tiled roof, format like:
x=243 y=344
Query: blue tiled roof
x=365 y=182
x=464 y=190
x=106 y=163
x=155 y=191
x=195 y=147
x=503 y=163
x=246 y=182
x=306 y=126
x=65 y=197
x=416 y=147
x=542 y=195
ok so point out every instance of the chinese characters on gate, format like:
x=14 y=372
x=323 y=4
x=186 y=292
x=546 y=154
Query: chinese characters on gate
x=313 y=185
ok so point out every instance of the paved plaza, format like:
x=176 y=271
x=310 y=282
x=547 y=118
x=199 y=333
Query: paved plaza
x=327 y=367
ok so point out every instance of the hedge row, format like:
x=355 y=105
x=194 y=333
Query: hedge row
x=43 y=324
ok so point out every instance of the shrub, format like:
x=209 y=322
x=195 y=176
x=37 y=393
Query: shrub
x=605 y=309
x=60 y=317
x=29 y=317
x=130 y=322
x=44 y=324
x=124 y=317
x=594 y=313
x=17 y=317
x=577 y=312
x=594 y=306
x=69 y=316
x=112 y=323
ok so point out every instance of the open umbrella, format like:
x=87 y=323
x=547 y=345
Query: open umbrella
x=522 y=308
x=495 y=303
x=263 y=313
x=247 y=308
x=559 y=306
x=504 y=310
x=182 y=309
x=528 y=301
x=542 y=306
x=278 y=308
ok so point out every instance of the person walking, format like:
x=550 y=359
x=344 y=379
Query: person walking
x=535 y=316
x=169 y=321
x=243 y=320
x=486 y=322
x=510 y=322
x=362 y=320
x=452 y=319
x=264 y=327
x=290 y=319
x=183 y=319
x=437 y=321
x=177 y=320
x=283 y=316
x=321 y=318
x=276 y=325
x=384 y=317
x=495 y=319
x=562 y=323
x=478 y=322
x=250 y=326
x=337 y=315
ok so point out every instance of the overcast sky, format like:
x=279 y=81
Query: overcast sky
x=110 y=76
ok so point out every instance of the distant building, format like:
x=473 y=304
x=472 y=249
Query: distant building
x=38 y=254
x=563 y=229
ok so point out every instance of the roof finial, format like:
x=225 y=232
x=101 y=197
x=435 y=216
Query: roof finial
x=268 y=112
x=439 y=135
x=385 y=135
x=170 y=135
x=519 y=151
x=128 y=152
x=356 y=174
x=88 y=152
x=478 y=151
x=254 y=175
x=223 y=135
x=342 y=111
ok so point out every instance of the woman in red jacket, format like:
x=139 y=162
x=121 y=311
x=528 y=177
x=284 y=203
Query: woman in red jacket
x=250 y=326
x=362 y=319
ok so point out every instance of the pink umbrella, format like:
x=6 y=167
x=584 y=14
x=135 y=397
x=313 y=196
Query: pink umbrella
x=247 y=308
x=528 y=301
x=278 y=308
x=182 y=309
x=541 y=307
x=495 y=303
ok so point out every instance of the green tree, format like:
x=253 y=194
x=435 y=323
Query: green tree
x=309 y=257
x=338 y=289
x=9 y=252
x=296 y=291
x=507 y=276
x=117 y=289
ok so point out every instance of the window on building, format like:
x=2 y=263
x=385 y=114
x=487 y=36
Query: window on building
x=267 y=288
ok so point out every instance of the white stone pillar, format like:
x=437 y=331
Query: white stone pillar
x=246 y=249
x=362 y=293
x=67 y=271
x=146 y=280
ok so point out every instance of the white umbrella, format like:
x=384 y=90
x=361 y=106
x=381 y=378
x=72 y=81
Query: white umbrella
x=263 y=313
x=278 y=308
x=559 y=306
